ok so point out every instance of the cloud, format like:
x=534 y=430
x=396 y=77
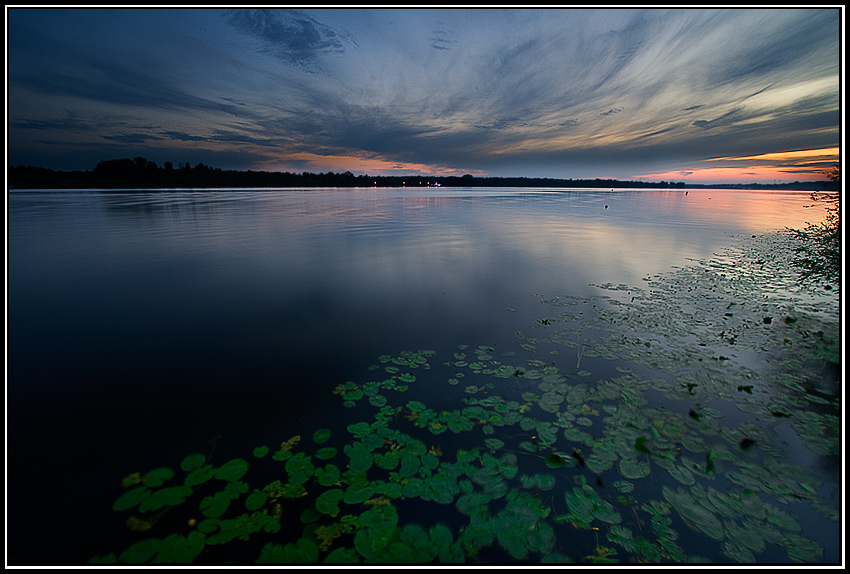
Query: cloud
x=181 y=136
x=440 y=40
x=290 y=35
x=795 y=156
x=726 y=119
x=132 y=138
x=611 y=112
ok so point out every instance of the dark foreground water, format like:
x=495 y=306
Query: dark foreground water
x=391 y=375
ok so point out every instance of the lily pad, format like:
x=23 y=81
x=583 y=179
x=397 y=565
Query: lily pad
x=299 y=468
x=357 y=493
x=326 y=453
x=141 y=551
x=232 y=470
x=178 y=549
x=256 y=500
x=328 y=501
x=166 y=497
x=328 y=475
x=131 y=498
x=321 y=436
x=215 y=505
x=555 y=460
x=193 y=461
x=633 y=468
x=158 y=476
x=200 y=475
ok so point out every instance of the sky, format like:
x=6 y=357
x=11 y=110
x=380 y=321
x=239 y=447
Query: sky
x=699 y=95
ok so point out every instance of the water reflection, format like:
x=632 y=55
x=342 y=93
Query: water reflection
x=144 y=318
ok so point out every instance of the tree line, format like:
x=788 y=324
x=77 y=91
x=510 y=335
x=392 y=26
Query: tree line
x=140 y=173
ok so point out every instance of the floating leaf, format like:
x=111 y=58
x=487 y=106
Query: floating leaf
x=326 y=453
x=632 y=468
x=494 y=443
x=215 y=505
x=131 y=498
x=328 y=501
x=357 y=493
x=200 y=475
x=342 y=556
x=640 y=444
x=261 y=451
x=192 y=462
x=359 y=430
x=256 y=500
x=378 y=400
x=555 y=461
x=328 y=475
x=232 y=470
x=166 y=497
x=321 y=436
x=299 y=468
x=178 y=549
x=141 y=552
x=158 y=476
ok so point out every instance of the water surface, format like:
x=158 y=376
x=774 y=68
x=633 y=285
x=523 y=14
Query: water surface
x=145 y=326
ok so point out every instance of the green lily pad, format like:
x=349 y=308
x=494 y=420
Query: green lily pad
x=166 y=497
x=261 y=451
x=178 y=549
x=328 y=475
x=232 y=470
x=256 y=500
x=131 y=498
x=359 y=430
x=633 y=468
x=193 y=461
x=342 y=556
x=555 y=460
x=326 y=453
x=158 y=476
x=215 y=505
x=357 y=493
x=303 y=551
x=321 y=436
x=494 y=443
x=200 y=475
x=141 y=551
x=328 y=501
x=300 y=468
x=538 y=481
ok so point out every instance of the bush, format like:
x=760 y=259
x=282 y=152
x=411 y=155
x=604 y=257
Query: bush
x=819 y=255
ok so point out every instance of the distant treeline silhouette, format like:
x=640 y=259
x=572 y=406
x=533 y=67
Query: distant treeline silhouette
x=139 y=173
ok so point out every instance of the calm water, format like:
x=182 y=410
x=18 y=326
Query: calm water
x=146 y=326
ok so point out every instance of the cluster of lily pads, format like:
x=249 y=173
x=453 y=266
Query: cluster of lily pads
x=533 y=458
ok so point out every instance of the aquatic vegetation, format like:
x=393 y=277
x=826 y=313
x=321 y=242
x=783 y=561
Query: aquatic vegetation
x=533 y=453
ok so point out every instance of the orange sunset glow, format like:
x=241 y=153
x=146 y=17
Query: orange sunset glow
x=779 y=167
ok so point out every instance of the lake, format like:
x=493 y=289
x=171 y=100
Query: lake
x=429 y=374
